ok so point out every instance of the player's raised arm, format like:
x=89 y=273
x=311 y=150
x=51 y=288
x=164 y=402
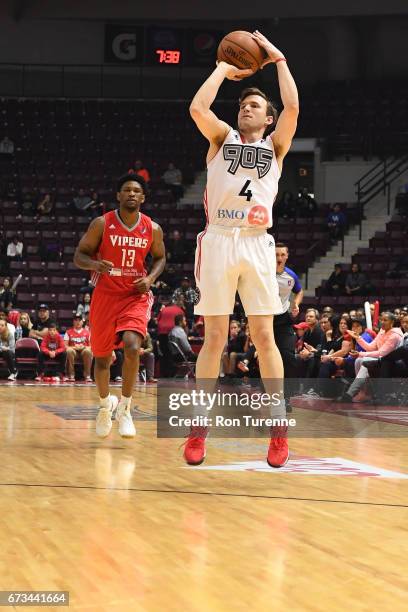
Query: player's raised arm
x=88 y=246
x=286 y=125
x=206 y=120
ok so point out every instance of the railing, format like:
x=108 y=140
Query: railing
x=379 y=179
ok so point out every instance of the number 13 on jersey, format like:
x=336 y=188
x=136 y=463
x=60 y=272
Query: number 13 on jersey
x=128 y=258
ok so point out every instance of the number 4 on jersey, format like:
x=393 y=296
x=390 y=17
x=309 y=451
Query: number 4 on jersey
x=247 y=193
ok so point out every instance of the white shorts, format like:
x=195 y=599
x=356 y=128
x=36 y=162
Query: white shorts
x=236 y=259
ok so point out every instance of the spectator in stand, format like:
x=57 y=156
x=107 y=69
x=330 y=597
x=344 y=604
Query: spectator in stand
x=314 y=337
x=138 y=168
x=348 y=362
x=52 y=348
x=387 y=364
x=237 y=344
x=178 y=335
x=147 y=358
x=357 y=282
x=4 y=317
x=300 y=329
x=248 y=363
x=173 y=178
x=98 y=205
x=84 y=306
x=336 y=283
x=337 y=346
x=189 y=297
x=7 y=349
x=45 y=205
x=198 y=327
x=165 y=323
x=82 y=201
x=336 y=223
x=77 y=342
x=306 y=204
x=286 y=207
x=176 y=248
x=7 y=296
x=40 y=327
x=388 y=339
x=15 y=249
x=25 y=324
x=6 y=147
x=51 y=249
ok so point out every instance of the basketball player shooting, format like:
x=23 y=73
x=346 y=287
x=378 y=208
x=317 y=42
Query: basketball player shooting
x=114 y=248
x=243 y=169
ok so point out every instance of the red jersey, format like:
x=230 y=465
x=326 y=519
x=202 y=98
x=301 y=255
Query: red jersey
x=77 y=336
x=127 y=248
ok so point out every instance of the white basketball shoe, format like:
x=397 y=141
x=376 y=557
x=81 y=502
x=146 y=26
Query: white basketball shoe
x=104 y=418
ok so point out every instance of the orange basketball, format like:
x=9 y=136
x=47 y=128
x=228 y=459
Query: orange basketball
x=241 y=50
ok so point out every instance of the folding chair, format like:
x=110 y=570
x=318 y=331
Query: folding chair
x=185 y=366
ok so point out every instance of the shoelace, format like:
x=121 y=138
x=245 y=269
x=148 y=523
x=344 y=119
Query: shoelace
x=196 y=437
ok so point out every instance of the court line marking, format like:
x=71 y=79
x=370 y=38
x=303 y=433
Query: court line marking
x=210 y=493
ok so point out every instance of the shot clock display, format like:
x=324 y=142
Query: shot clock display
x=168 y=56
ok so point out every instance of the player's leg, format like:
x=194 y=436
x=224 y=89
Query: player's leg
x=132 y=326
x=102 y=342
x=259 y=292
x=132 y=341
x=216 y=334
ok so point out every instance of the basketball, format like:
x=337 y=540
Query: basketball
x=241 y=50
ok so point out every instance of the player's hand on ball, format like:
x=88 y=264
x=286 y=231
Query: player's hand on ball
x=232 y=73
x=142 y=285
x=272 y=52
x=103 y=266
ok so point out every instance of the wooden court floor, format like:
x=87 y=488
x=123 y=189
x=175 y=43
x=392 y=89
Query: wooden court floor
x=124 y=525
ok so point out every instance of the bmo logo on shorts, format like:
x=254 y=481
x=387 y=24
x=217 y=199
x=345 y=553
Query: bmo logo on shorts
x=258 y=215
x=224 y=213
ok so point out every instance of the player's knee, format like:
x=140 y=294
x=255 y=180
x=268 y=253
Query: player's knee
x=263 y=339
x=215 y=339
x=103 y=363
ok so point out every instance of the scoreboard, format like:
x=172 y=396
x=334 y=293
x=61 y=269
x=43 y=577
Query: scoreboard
x=151 y=46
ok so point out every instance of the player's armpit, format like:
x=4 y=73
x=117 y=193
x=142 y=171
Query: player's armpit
x=89 y=243
x=212 y=128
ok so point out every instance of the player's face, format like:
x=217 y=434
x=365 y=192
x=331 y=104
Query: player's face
x=77 y=323
x=281 y=256
x=252 y=114
x=131 y=196
x=404 y=324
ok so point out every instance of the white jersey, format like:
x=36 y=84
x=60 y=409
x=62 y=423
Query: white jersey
x=242 y=183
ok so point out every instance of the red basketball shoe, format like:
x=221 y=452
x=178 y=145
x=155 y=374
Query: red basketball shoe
x=278 y=452
x=194 y=447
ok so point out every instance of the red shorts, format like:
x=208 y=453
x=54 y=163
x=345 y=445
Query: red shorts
x=111 y=314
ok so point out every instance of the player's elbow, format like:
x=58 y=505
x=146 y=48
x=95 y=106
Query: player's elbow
x=197 y=110
x=292 y=108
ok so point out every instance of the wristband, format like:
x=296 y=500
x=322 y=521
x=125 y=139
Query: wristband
x=280 y=59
